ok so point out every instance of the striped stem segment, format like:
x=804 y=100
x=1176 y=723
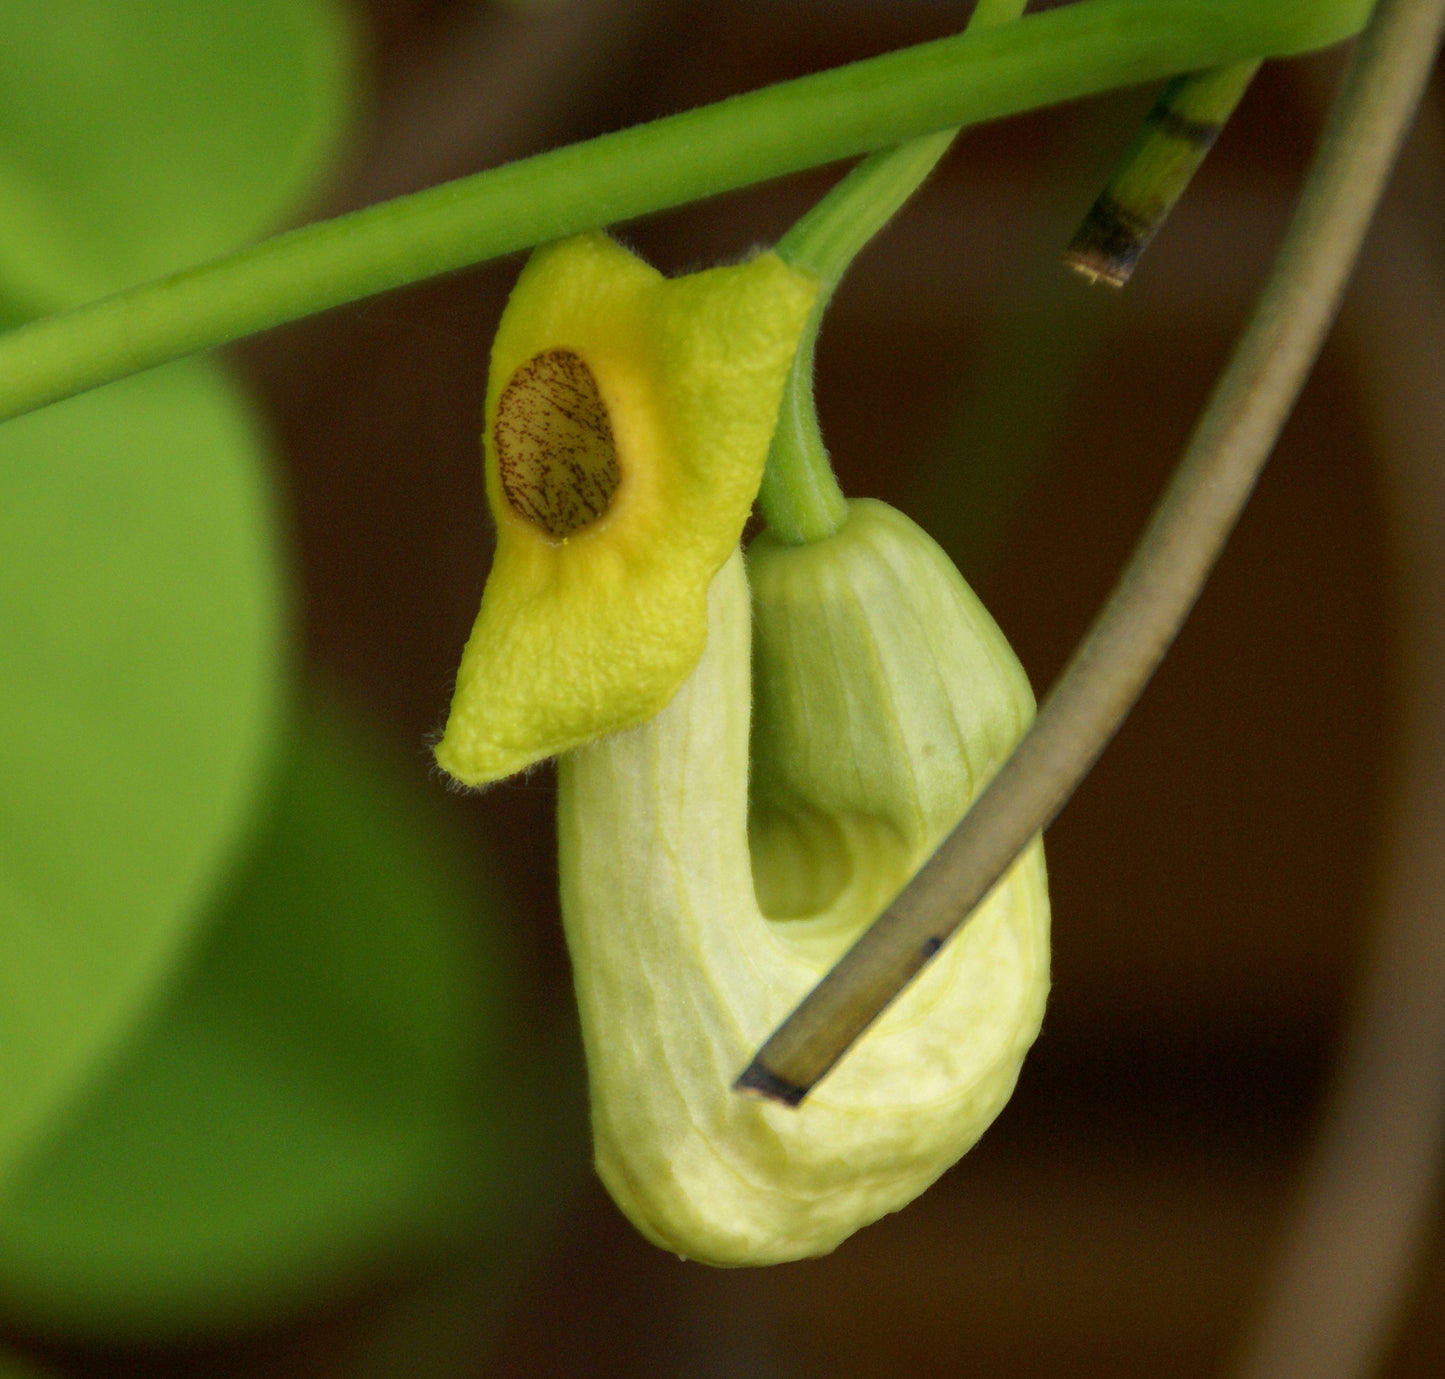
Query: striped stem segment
x=1176 y=135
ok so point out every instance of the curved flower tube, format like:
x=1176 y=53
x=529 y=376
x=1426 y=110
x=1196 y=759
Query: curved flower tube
x=886 y=697
x=628 y=419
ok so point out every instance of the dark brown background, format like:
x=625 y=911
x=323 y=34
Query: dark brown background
x=1212 y=881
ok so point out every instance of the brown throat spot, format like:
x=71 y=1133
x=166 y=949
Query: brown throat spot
x=555 y=452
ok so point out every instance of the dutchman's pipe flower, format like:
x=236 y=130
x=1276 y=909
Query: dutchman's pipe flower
x=886 y=698
x=628 y=419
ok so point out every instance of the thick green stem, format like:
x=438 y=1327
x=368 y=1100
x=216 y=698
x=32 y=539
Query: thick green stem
x=1075 y=50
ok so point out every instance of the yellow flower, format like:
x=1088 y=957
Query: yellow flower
x=628 y=418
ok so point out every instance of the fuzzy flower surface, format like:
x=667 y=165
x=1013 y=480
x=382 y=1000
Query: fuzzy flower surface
x=717 y=860
x=627 y=422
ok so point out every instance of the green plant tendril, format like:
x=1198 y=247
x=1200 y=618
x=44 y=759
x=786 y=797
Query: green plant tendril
x=1076 y=50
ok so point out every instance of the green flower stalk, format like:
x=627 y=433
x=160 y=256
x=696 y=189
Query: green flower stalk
x=628 y=419
x=886 y=698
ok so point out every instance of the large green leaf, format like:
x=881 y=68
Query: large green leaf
x=141 y=136
x=320 y=1094
x=140 y=627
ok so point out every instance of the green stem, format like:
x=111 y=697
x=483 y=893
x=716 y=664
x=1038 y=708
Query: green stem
x=800 y=498
x=1168 y=150
x=1076 y=50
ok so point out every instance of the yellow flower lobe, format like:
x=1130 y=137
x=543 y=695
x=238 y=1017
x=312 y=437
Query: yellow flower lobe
x=628 y=419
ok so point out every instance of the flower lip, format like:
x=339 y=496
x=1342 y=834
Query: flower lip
x=595 y=610
x=557 y=457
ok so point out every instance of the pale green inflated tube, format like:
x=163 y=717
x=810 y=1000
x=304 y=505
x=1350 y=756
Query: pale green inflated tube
x=886 y=699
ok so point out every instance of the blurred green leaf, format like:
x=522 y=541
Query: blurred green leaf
x=321 y=1095
x=447 y=1321
x=141 y=136
x=11 y=1367
x=140 y=612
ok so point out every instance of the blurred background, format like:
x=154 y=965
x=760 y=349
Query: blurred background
x=1217 y=883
